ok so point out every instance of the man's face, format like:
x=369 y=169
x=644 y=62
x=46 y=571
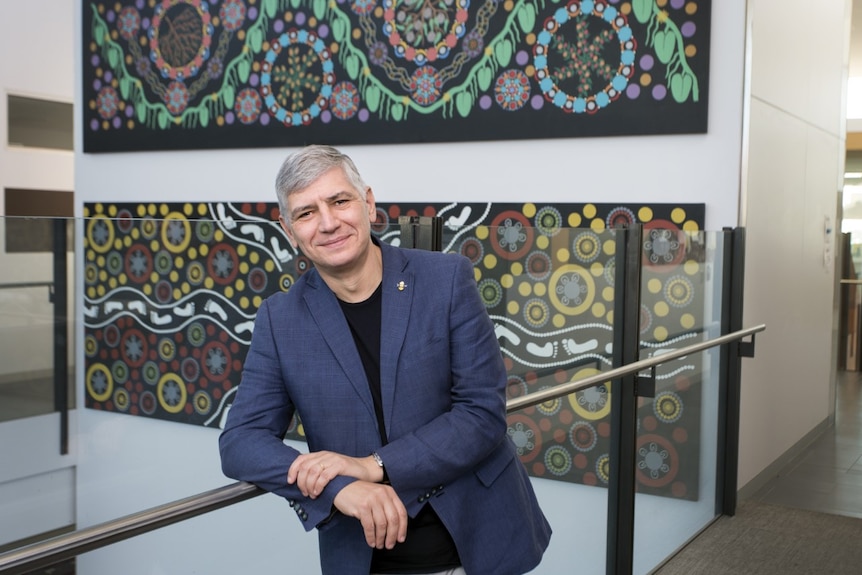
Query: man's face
x=330 y=222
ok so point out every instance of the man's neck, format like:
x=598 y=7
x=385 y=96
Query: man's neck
x=358 y=283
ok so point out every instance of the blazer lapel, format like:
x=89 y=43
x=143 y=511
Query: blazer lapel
x=398 y=290
x=325 y=309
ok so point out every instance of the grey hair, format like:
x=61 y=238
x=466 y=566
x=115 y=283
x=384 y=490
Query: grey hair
x=303 y=168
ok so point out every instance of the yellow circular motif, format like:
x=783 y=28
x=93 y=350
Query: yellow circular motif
x=542 y=242
x=563 y=255
x=590 y=211
x=540 y=290
x=660 y=333
x=169 y=384
x=525 y=289
x=559 y=320
x=482 y=232
x=169 y=232
x=687 y=321
x=490 y=261
x=102 y=226
x=597 y=225
x=609 y=247
x=597 y=269
x=691 y=267
x=574 y=220
x=517 y=268
x=598 y=309
x=572 y=289
x=591 y=403
x=661 y=309
x=654 y=285
x=690 y=226
x=645 y=214
x=104 y=394
x=608 y=293
x=677 y=216
x=529 y=210
x=513 y=308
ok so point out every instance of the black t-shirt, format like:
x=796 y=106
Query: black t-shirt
x=429 y=547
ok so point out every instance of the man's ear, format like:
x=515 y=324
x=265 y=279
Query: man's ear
x=287 y=230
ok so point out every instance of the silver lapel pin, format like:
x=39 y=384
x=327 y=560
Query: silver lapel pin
x=401 y=285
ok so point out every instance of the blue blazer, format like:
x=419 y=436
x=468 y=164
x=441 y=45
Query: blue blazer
x=443 y=384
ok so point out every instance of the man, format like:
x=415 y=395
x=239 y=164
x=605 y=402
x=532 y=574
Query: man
x=391 y=361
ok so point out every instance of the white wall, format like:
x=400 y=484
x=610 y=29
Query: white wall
x=796 y=147
x=122 y=457
x=36 y=483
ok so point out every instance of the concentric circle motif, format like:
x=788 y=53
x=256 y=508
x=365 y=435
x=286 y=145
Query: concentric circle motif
x=646 y=319
x=190 y=369
x=426 y=85
x=549 y=221
x=111 y=335
x=133 y=347
x=167 y=349
x=603 y=468
x=593 y=403
x=247 y=106
x=151 y=373
x=114 y=263
x=163 y=262
x=222 y=263
x=122 y=401
x=664 y=245
x=164 y=291
x=424 y=32
x=558 y=460
x=202 y=402
x=139 y=263
x=285 y=282
x=583 y=436
x=668 y=407
x=91 y=346
x=257 y=280
x=572 y=289
x=149 y=227
x=526 y=436
x=610 y=273
x=536 y=312
x=380 y=224
x=176 y=232
x=657 y=461
x=472 y=249
x=195 y=273
x=587 y=246
x=120 y=372
x=128 y=22
x=538 y=266
x=100 y=234
x=512 y=90
x=491 y=292
x=196 y=334
x=344 y=101
x=550 y=407
x=511 y=235
x=204 y=230
x=216 y=361
x=678 y=291
x=171 y=392
x=587 y=59
x=100 y=383
x=147 y=402
x=176 y=97
x=107 y=102
x=286 y=104
x=232 y=14
x=180 y=36
x=125 y=221
x=515 y=386
x=302 y=265
x=620 y=218
x=91 y=274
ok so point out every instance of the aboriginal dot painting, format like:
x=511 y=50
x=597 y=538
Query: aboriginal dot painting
x=183 y=74
x=171 y=291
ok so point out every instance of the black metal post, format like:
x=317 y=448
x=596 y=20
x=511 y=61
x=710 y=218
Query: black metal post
x=621 y=481
x=61 y=340
x=422 y=232
x=730 y=371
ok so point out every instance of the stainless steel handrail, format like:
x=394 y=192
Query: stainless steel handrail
x=19 y=285
x=66 y=546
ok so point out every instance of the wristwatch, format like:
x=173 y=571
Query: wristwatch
x=379 y=462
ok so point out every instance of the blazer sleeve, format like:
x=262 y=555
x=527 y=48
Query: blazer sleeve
x=457 y=440
x=251 y=445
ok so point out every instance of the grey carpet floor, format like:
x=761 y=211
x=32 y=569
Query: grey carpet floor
x=769 y=539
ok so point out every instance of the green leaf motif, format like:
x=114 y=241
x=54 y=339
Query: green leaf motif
x=664 y=44
x=319 y=8
x=227 y=95
x=464 y=103
x=680 y=87
x=351 y=64
x=339 y=30
x=270 y=7
x=503 y=52
x=484 y=77
x=372 y=98
x=397 y=112
x=255 y=39
x=527 y=18
x=295 y=3
x=642 y=9
x=162 y=119
x=124 y=88
x=142 y=113
x=243 y=69
x=113 y=57
x=204 y=116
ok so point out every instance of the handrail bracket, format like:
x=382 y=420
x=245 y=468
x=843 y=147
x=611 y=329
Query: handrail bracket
x=645 y=384
x=746 y=348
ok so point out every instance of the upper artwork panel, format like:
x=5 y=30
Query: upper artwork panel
x=197 y=74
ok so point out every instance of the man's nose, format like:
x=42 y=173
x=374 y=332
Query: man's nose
x=327 y=221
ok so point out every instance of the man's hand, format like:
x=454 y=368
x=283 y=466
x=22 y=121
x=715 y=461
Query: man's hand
x=379 y=510
x=312 y=472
